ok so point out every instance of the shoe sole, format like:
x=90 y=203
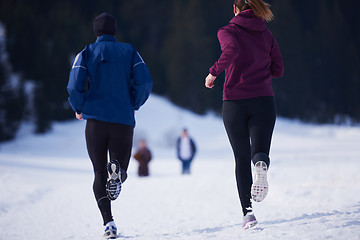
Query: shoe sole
x=113 y=185
x=260 y=187
x=110 y=234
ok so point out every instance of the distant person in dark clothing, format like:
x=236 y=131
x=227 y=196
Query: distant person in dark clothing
x=143 y=156
x=186 y=150
x=251 y=59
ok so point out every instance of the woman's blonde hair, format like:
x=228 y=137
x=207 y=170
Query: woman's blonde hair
x=259 y=7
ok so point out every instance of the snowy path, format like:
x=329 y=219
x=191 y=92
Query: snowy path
x=314 y=187
x=58 y=204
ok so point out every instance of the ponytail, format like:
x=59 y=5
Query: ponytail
x=259 y=7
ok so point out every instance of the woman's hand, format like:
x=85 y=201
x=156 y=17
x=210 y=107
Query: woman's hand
x=209 y=81
x=79 y=116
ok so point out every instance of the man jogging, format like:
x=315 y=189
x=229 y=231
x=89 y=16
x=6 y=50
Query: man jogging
x=108 y=82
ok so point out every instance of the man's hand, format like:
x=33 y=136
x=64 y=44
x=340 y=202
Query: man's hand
x=79 y=116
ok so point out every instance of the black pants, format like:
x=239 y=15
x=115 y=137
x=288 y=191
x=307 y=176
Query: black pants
x=103 y=138
x=249 y=124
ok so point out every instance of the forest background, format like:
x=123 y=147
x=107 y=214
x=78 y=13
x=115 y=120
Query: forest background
x=39 y=39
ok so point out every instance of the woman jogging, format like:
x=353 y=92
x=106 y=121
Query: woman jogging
x=108 y=82
x=251 y=58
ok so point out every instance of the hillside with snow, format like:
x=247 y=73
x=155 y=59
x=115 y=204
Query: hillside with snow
x=46 y=183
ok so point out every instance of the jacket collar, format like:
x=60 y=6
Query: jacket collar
x=105 y=37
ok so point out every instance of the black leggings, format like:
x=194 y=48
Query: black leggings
x=249 y=124
x=103 y=138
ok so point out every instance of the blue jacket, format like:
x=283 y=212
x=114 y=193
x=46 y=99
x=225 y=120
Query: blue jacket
x=109 y=81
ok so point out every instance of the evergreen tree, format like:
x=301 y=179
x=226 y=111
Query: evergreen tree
x=286 y=29
x=188 y=56
x=11 y=101
x=145 y=23
x=321 y=61
x=177 y=38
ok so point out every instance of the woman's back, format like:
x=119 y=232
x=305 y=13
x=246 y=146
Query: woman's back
x=252 y=58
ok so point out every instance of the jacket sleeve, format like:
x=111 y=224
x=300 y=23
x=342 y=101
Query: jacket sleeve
x=141 y=84
x=178 y=148
x=277 y=64
x=193 y=147
x=77 y=80
x=137 y=156
x=230 y=51
x=150 y=155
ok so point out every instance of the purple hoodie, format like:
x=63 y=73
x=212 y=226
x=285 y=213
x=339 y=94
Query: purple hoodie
x=250 y=57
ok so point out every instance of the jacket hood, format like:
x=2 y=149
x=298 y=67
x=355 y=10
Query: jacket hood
x=249 y=21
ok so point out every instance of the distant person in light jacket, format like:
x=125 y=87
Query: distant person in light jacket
x=251 y=59
x=186 y=150
x=108 y=82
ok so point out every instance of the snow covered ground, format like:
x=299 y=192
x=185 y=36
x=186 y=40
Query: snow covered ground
x=46 y=184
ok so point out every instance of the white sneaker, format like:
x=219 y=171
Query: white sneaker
x=249 y=220
x=110 y=230
x=113 y=185
x=260 y=187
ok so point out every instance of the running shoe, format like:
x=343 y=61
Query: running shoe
x=249 y=220
x=260 y=187
x=113 y=185
x=110 y=230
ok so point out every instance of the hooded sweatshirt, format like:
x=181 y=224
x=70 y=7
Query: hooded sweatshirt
x=250 y=57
